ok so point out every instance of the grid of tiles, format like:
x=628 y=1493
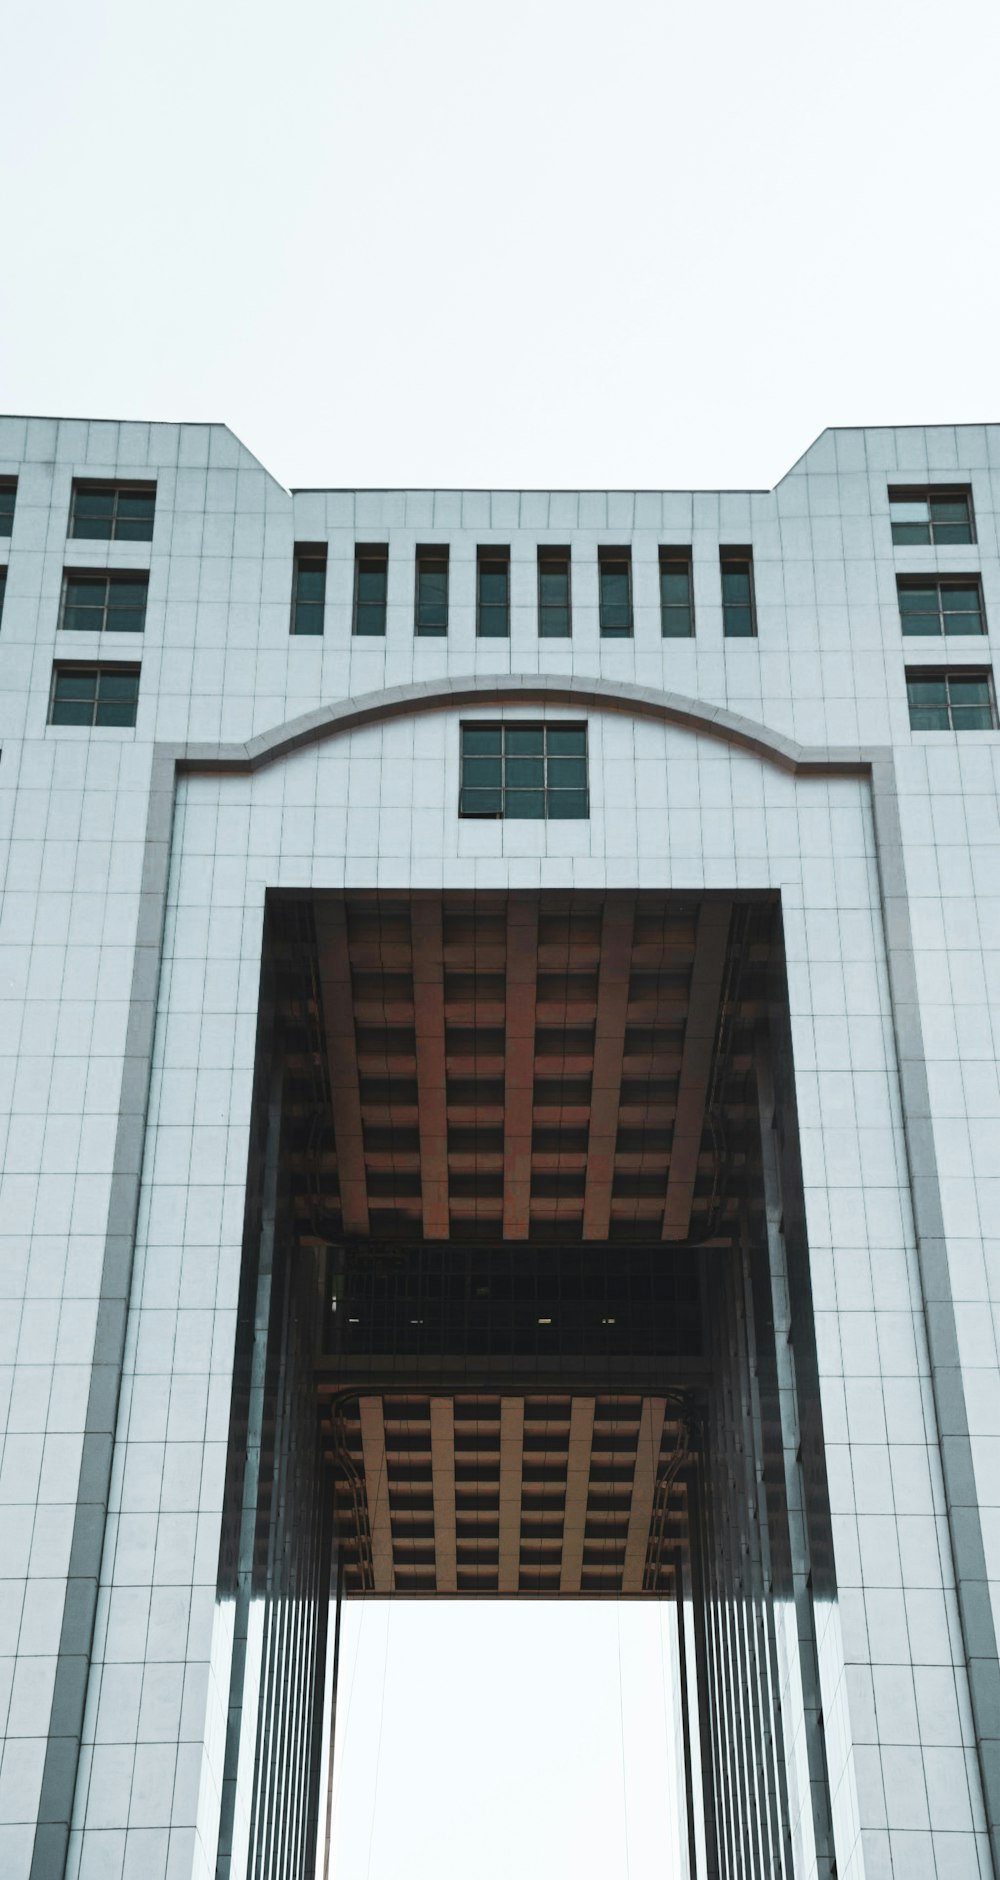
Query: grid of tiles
x=669 y=809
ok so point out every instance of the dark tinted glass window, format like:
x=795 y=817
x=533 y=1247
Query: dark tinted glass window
x=94 y=695
x=676 y=594
x=525 y=772
x=739 y=617
x=104 y=603
x=950 y=701
x=554 y=617
x=944 y=606
x=8 y=497
x=493 y=594
x=615 y=576
x=309 y=588
x=431 y=613
x=923 y=516
x=3 y=589
x=104 y=512
x=371 y=582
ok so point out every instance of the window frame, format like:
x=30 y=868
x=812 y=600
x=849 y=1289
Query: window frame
x=606 y=554
x=929 y=493
x=305 y=552
x=676 y=557
x=8 y=487
x=554 y=555
x=116 y=669
x=111 y=578
x=428 y=552
x=118 y=487
x=923 y=675
x=940 y=584
x=488 y=555
x=508 y=730
x=369 y=551
x=742 y=553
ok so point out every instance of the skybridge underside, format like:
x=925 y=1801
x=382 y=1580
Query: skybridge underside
x=520 y=1137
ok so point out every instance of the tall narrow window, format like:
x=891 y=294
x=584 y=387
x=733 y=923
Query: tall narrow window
x=493 y=593
x=371 y=584
x=104 y=603
x=676 y=594
x=8 y=497
x=309 y=588
x=3 y=589
x=951 y=701
x=431 y=609
x=525 y=772
x=94 y=695
x=554 y=601
x=739 y=615
x=614 y=567
x=940 y=606
x=119 y=512
x=923 y=516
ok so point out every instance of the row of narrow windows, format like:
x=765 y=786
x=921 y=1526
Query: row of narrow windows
x=102 y=510
x=114 y=601
x=526 y=772
x=555 y=608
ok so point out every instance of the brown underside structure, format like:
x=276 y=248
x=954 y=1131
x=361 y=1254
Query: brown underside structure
x=537 y=1127
x=525 y=1313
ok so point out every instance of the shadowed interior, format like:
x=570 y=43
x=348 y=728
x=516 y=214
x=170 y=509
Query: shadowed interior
x=515 y=1307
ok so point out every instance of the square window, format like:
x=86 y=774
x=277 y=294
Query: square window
x=951 y=701
x=739 y=612
x=614 y=567
x=493 y=593
x=371 y=585
x=103 y=603
x=94 y=695
x=676 y=594
x=106 y=512
x=940 y=605
x=308 y=589
x=920 y=517
x=431 y=607
x=554 y=602
x=8 y=497
x=525 y=773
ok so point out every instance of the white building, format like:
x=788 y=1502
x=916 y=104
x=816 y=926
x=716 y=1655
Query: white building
x=619 y=873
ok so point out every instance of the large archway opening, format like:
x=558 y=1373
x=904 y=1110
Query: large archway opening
x=524 y=1253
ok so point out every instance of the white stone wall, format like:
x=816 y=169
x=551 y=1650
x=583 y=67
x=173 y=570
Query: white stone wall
x=378 y=806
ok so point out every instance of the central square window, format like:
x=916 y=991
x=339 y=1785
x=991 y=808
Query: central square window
x=525 y=772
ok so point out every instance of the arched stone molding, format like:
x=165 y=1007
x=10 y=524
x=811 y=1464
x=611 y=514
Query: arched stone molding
x=608 y=695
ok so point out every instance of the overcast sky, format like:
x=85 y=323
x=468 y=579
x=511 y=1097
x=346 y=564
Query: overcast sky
x=557 y=242
x=505 y=1742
